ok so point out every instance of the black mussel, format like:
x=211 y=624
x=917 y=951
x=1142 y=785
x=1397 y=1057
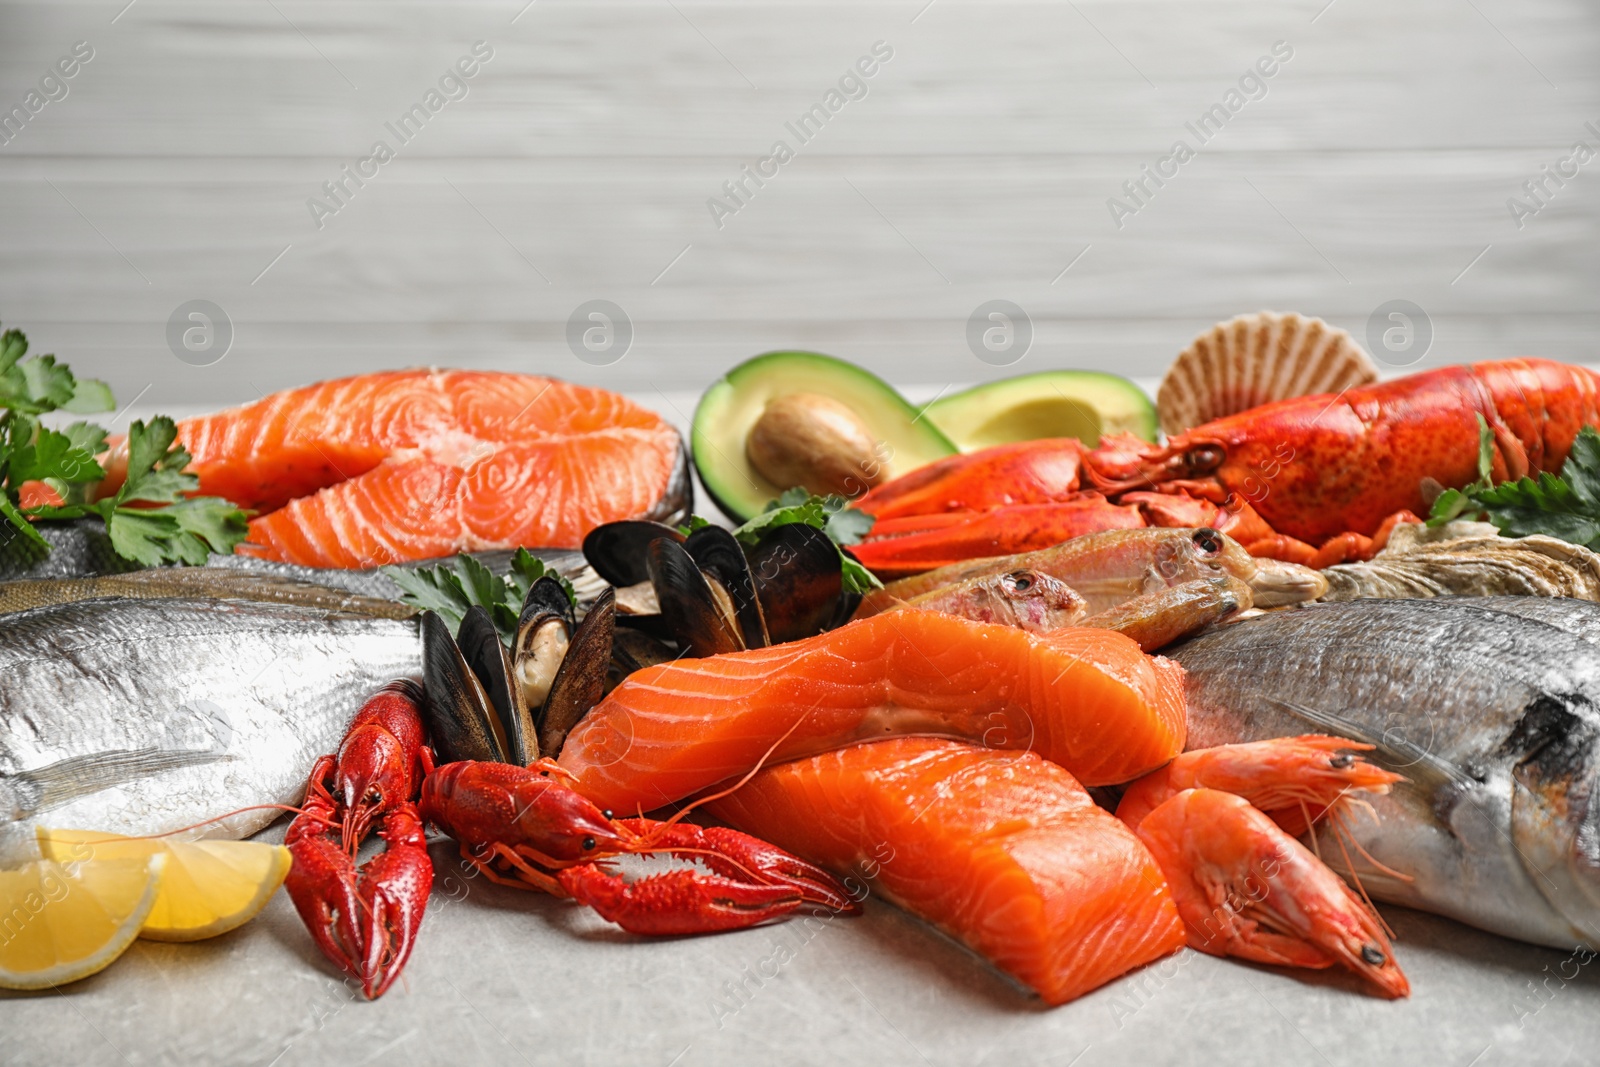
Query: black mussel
x=796 y=569
x=581 y=681
x=486 y=655
x=722 y=560
x=460 y=716
x=700 y=618
x=617 y=550
x=544 y=631
x=634 y=650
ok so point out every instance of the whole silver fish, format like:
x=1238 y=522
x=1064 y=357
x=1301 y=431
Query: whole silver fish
x=143 y=716
x=1492 y=716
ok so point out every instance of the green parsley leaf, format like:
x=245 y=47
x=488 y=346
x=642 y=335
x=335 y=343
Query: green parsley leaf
x=451 y=588
x=1453 y=503
x=1567 y=507
x=830 y=514
x=526 y=568
x=693 y=523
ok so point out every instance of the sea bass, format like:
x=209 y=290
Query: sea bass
x=1491 y=715
x=143 y=716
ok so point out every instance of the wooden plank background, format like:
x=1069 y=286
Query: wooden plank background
x=979 y=165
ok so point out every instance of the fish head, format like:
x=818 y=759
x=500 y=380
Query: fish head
x=1555 y=806
x=1188 y=555
x=1049 y=603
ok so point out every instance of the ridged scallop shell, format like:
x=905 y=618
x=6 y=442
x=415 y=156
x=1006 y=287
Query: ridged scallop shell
x=1254 y=359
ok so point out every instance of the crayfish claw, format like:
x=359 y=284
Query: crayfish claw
x=678 y=902
x=739 y=856
x=322 y=883
x=393 y=890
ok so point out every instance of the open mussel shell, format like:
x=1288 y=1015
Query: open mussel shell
x=460 y=715
x=721 y=559
x=616 y=550
x=544 y=632
x=580 y=683
x=634 y=650
x=486 y=655
x=697 y=618
x=797 y=577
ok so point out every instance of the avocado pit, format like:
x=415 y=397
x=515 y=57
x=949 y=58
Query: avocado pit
x=813 y=440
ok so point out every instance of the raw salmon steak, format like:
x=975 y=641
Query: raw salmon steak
x=1089 y=700
x=1002 y=850
x=413 y=464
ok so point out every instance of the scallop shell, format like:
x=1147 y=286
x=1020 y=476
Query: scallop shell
x=1254 y=359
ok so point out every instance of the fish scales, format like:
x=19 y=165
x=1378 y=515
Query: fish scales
x=1491 y=715
x=143 y=716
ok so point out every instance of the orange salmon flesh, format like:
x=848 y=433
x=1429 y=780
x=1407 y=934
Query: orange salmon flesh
x=1086 y=699
x=1002 y=850
x=414 y=464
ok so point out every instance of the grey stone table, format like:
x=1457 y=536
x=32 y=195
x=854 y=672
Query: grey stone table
x=514 y=977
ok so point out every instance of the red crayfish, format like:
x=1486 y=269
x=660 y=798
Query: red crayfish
x=517 y=825
x=1315 y=480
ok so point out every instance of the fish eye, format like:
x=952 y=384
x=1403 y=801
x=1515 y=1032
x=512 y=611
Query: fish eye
x=1203 y=459
x=1021 y=582
x=1208 y=541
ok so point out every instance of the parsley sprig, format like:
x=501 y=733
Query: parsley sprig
x=451 y=588
x=1565 y=506
x=152 y=519
x=830 y=514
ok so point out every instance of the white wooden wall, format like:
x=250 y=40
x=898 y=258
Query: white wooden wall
x=1378 y=166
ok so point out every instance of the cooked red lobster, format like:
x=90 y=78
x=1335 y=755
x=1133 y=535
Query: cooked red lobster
x=1315 y=480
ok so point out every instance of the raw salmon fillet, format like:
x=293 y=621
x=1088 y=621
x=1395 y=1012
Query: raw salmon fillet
x=413 y=464
x=1002 y=850
x=1089 y=700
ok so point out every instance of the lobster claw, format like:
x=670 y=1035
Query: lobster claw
x=365 y=920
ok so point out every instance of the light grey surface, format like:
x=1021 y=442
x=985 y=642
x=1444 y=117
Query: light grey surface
x=1378 y=166
x=504 y=976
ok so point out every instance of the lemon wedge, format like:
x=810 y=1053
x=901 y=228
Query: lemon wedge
x=62 y=922
x=209 y=887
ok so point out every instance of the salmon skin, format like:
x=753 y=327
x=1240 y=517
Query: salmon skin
x=1089 y=700
x=1002 y=850
x=404 y=465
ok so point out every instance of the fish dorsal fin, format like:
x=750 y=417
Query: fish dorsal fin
x=1395 y=752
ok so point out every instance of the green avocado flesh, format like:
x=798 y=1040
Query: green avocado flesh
x=733 y=404
x=1061 y=403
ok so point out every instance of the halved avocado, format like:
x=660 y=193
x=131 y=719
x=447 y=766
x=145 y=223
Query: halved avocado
x=898 y=439
x=1057 y=403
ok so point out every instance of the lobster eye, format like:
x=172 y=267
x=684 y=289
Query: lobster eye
x=1203 y=459
x=1207 y=541
x=588 y=844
